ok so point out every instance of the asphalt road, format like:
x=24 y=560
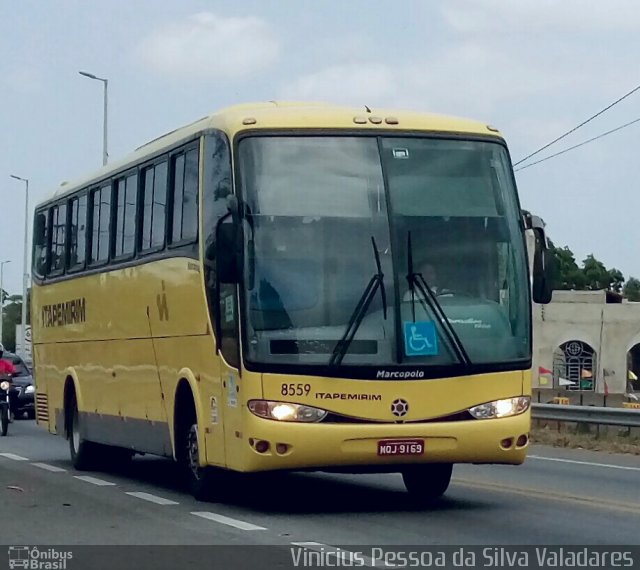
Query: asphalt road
x=558 y=497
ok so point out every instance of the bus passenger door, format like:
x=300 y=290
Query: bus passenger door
x=229 y=344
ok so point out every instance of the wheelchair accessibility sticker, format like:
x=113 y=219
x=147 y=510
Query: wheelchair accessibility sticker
x=420 y=338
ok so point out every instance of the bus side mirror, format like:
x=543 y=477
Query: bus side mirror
x=543 y=269
x=39 y=231
x=228 y=253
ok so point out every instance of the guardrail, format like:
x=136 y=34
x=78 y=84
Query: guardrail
x=586 y=414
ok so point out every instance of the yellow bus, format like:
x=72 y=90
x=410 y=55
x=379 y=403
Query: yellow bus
x=290 y=286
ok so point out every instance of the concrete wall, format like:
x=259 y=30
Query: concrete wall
x=611 y=329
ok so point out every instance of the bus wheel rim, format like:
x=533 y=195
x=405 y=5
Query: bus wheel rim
x=75 y=433
x=193 y=453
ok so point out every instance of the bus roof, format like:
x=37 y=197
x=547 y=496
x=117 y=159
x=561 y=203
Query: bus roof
x=285 y=115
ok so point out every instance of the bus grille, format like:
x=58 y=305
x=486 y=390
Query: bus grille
x=42 y=408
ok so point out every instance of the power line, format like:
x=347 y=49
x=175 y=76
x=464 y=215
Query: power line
x=578 y=145
x=578 y=126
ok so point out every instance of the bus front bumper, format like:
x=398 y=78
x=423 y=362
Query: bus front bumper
x=272 y=445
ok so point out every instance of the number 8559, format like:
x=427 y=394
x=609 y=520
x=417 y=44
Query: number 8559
x=295 y=389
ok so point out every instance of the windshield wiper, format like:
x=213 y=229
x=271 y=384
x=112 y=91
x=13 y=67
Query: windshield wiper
x=376 y=282
x=428 y=301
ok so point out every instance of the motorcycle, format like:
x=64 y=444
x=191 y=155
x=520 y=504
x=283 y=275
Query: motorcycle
x=5 y=411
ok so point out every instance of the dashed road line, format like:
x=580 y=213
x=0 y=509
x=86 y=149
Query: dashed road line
x=590 y=464
x=48 y=467
x=242 y=525
x=336 y=556
x=152 y=498
x=13 y=456
x=94 y=480
x=548 y=495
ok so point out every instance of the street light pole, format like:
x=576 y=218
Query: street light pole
x=25 y=274
x=2 y=264
x=105 y=154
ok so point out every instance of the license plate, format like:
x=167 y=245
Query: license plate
x=401 y=447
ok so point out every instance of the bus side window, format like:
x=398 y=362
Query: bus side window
x=184 y=186
x=100 y=218
x=222 y=297
x=58 y=238
x=125 y=202
x=77 y=233
x=41 y=242
x=154 y=205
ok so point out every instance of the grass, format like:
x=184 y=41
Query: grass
x=611 y=439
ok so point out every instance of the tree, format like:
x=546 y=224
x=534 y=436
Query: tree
x=593 y=275
x=12 y=317
x=631 y=289
x=616 y=279
x=568 y=275
x=596 y=275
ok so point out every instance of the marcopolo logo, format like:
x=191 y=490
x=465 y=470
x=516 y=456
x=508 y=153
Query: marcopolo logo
x=400 y=374
x=34 y=558
x=399 y=407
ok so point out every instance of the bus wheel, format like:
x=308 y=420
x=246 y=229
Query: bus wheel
x=427 y=482
x=84 y=454
x=4 y=419
x=203 y=481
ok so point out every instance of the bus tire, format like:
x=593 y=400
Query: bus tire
x=203 y=482
x=84 y=454
x=4 y=419
x=428 y=482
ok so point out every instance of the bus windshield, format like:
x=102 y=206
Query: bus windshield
x=431 y=224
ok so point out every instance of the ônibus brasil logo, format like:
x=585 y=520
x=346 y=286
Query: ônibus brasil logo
x=34 y=558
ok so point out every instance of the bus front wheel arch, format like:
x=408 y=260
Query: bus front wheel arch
x=84 y=454
x=203 y=482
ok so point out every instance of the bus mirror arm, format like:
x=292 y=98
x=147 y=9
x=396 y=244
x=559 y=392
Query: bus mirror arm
x=227 y=251
x=543 y=268
x=233 y=207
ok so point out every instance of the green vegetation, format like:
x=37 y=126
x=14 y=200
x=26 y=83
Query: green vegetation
x=592 y=275
x=611 y=440
x=631 y=289
x=12 y=315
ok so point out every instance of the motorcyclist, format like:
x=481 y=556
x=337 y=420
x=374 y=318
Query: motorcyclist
x=6 y=368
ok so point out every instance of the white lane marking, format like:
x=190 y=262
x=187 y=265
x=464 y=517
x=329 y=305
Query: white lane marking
x=94 y=480
x=356 y=558
x=574 y=462
x=47 y=467
x=152 y=498
x=13 y=456
x=228 y=521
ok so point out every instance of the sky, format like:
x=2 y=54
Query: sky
x=532 y=68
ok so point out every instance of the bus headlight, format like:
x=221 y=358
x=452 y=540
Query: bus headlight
x=30 y=389
x=285 y=411
x=501 y=408
x=4 y=385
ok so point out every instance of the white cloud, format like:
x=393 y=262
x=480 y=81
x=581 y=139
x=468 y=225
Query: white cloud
x=22 y=80
x=352 y=48
x=546 y=17
x=468 y=79
x=357 y=84
x=207 y=45
x=493 y=65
